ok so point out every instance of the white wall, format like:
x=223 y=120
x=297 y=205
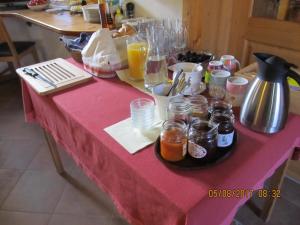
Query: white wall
x=50 y=47
x=159 y=8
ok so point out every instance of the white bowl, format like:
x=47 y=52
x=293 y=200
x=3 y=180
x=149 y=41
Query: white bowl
x=186 y=66
x=38 y=7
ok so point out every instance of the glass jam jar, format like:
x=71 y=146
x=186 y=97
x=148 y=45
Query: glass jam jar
x=226 y=129
x=202 y=140
x=220 y=106
x=173 y=140
x=199 y=107
x=179 y=109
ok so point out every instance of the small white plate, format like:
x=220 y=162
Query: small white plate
x=186 y=66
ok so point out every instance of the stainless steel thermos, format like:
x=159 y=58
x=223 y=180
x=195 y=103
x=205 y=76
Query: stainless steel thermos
x=266 y=103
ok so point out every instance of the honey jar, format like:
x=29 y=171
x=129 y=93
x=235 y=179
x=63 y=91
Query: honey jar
x=173 y=140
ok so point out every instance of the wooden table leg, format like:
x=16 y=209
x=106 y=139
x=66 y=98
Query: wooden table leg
x=54 y=152
x=275 y=184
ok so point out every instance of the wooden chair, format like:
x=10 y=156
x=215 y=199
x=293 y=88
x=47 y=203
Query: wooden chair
x=12 y=52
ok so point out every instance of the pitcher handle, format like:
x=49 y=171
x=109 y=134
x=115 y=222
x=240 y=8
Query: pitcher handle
x=294 y=75
x=238 y=65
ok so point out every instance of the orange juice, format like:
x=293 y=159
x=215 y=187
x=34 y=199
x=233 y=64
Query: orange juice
x=137 y=54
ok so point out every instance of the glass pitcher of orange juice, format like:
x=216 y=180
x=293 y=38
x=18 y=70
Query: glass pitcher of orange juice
x=137 y=49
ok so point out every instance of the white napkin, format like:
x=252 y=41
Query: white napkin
x=132 y=139
x=124 y=76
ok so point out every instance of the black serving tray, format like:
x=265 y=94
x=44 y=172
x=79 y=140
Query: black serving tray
x=189 y=163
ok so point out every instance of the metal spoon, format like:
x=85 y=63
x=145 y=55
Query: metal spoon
x=175 y=83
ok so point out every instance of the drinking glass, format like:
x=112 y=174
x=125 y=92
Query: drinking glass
x=180 y=36
x=142 y=113
x=137 y=53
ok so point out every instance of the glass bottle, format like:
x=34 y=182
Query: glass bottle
x=202 y=140
x=109 y=17
x=173 y=139
x=102 y=10
x=156 y=67
x=179 y=109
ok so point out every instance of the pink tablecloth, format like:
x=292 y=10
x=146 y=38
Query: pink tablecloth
x=142 y=188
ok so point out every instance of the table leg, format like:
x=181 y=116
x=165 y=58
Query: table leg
x=54 y=152
x=275 y=184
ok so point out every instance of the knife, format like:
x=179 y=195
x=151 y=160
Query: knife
x=36 y=75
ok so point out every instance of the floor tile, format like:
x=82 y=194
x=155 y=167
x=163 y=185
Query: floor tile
x=119 y=221
x=17 y=154
x=36 y=191
x=79 y=220
x=20 y=218
x=43 y=160
x=285 y=213
x=8 y=179
x=15 y=127
x=291 y=191
x=83 y=197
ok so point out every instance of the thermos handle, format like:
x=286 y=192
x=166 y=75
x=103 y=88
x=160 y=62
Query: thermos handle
x=294 y=75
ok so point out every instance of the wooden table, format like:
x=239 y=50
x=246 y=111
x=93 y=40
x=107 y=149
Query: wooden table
x=62 y=23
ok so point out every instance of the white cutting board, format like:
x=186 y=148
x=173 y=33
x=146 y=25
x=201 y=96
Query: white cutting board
x=59 y=71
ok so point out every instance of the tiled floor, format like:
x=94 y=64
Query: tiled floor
x=32 y=193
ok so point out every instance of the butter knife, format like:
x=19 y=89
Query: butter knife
x=36 y=75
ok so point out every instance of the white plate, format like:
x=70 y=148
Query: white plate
x=186 y=66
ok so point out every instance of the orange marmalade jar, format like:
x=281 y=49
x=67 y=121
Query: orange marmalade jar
x=173 y=140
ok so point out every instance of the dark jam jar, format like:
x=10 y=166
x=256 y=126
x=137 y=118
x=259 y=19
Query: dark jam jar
x=226 y=129
x=202 y=140
x=220 y=106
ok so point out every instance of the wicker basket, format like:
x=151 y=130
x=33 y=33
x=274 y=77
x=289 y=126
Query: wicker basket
x=250 y=71
x=75 y=54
